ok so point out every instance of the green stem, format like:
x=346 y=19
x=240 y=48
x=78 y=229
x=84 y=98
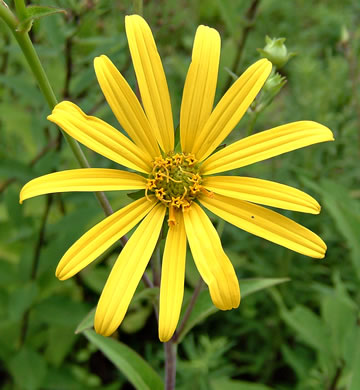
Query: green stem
x=170 y=350
x=138 y=7
x=33 y=60
x=20 y=9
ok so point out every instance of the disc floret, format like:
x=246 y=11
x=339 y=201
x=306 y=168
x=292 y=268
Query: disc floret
x=175 y=181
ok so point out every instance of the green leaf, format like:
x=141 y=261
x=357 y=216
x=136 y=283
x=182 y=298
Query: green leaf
x=309 y=327
x=345 y=212
x=21 y=300
x=229 y=384
x=87 y=322
x=355 y=378
x=204 y=307
x=35 y=12
x=149 y=294
x=28 y=369
x=139 y=373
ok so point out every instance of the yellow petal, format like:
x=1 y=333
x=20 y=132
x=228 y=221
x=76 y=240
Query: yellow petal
x=127 y=272
x=200 y=85
x=231 y=108
x=263 y=192
x=99 y=136
x=172 y=279
x=125 y=105
x=88 y=179
x=267 y=144
x=151 y=79
x=99 y=238
x=267 y=224
x=210 y=259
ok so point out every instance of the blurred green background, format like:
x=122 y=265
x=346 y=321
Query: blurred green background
x=303 y=334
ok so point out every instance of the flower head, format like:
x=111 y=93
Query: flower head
x=178 y=184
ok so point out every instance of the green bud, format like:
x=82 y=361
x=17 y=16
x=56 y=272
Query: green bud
x=276 y=51
x=274 y=83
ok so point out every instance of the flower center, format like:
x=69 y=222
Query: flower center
x=175 y=181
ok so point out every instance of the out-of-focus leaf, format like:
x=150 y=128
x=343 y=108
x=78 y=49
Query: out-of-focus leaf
x=134 y=368
x=299 y=359
x=13 y=168
x=136 y=319
x=148 y=293
x=340 y=318
x=60 y=310
x=28 y=369
x=309 y=327
x=21 y=299
x=14 y=209
x=346 y=213
x=35 y=12
x=59 y=342
x=229 y=384
x=355 y=377
x=7 y=272
x=87 y=322
x=204 y=306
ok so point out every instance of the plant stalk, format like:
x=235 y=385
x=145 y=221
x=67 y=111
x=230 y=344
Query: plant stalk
x=170 y=349
x=138 y=7
x=37 y=69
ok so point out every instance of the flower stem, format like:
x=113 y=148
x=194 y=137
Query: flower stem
x=188 y=311
x=37 y=69
x=170 y=349
x=138 y=7
x=250 y=16
x=20 y=9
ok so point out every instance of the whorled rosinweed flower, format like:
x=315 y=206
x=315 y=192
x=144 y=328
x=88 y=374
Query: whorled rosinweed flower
x=276 y=51
x=177 y=185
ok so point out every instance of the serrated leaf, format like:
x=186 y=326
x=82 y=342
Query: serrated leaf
x=204 y=306
x=138 y=372
x=35 y=12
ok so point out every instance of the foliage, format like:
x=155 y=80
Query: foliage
x=303 y=334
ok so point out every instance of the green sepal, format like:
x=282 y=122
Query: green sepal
x=136 y=194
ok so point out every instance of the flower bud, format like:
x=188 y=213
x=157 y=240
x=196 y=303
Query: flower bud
x=276 y=51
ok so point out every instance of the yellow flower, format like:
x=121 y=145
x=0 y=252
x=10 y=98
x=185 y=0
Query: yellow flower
x=177 y=183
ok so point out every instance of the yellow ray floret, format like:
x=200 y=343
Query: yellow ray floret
x=151 y=79
x=210 y=259
x=88 y=179
x=267 y=144
x=172 y=278
x=267 y=224
x=126 y=273
x=200 y=85
x=231 y=108
x=125 y=105
x=99 y=136
x=263 y=192
x=99 y=238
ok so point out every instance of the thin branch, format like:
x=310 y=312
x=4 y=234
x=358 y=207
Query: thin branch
x=170 y=365
x=188 y=311
x=250 y=16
